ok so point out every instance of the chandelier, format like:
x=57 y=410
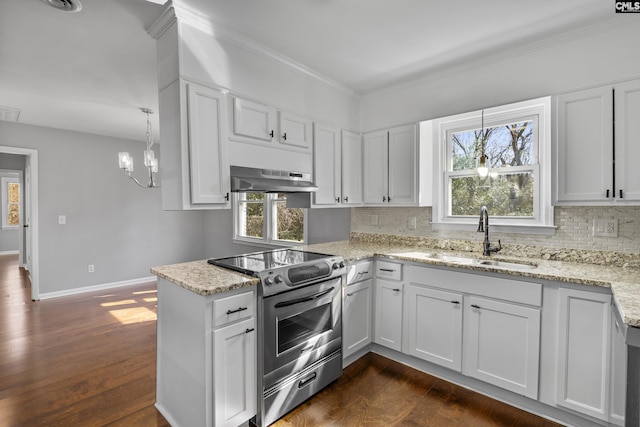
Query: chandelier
x=150 y=161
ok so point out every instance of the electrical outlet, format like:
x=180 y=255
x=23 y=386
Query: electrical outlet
x=374 y=219
x=605 y=227
x=91 y=268
x=62 y=219
x=412 y=223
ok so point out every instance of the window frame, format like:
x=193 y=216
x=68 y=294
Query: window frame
x=269 y=225
x=4 y=181
x=537 y=109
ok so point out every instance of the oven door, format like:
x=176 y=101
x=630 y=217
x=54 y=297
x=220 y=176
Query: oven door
x=301 y=327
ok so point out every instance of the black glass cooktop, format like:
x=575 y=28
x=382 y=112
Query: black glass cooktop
x=254 y=263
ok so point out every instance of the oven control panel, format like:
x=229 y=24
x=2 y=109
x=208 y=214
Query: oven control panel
x=287 y=277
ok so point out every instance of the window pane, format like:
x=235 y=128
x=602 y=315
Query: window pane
x=14 y=215
x=289 y=222
x=504 y=195
x=13 y=192
x=252 y=196
x=506 y=145
x=252 y=217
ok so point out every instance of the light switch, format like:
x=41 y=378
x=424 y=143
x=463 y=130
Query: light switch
x=62 y=219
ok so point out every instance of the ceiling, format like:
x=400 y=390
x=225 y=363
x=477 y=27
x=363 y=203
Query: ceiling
x=92 y=71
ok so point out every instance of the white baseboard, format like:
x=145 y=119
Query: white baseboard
x=49 y=295
x=9 y=253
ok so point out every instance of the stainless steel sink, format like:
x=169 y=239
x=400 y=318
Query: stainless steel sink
x=467 y=261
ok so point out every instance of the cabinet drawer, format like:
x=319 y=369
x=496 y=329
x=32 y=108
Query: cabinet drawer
x=389 y=270
x=359 y=272
x=233 y=308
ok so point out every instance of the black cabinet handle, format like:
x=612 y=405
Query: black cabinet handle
x=271 y=134
x=455 y=302
x=346 y=199
x=389 y=199
x=607 y=194
x=621 y=194
x=284 y=136
x=390 y=270
x=226 y=197
x=337 y=199
x=249 y=330
x=396 y=290
x=475 y=306
x=384 y=198
x=237 y=310
x=350 y=295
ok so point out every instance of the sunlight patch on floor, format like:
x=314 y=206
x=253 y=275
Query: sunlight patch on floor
x=154 y=299
x=114 y=303
x=145 y=292
x=127 y=316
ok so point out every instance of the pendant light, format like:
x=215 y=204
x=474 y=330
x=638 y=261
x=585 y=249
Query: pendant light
x=150 y=161
x=483 y=169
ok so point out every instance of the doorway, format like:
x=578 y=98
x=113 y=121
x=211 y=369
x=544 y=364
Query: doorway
x=29 y=219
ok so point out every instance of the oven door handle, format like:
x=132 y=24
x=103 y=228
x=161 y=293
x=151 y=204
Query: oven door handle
x=305 y=299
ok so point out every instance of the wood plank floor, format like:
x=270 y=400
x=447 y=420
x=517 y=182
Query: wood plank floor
x=89 y=360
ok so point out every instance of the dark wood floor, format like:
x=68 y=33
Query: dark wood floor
x=89 y=360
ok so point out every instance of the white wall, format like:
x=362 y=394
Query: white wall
x=111 y=223
x=597 y=55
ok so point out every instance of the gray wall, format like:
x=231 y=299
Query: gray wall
x=111 y=222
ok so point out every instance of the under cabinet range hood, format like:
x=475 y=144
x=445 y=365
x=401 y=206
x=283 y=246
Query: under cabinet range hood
x=245 y=179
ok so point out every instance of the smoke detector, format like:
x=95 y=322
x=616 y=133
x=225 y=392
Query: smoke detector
x=65 y=5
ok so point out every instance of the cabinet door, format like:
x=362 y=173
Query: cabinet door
x=388 y=314
x=375 y=166
x=502 y=344
x=434 y=325
x=356 y=311
x=618 y=373
x=351 y=168
x=326 y=165
x=585 y=145
x=583 y=352
x=403 y=157
x=627 y=124
x=234 y=373
x=253 y=121
x=208 y=163
x=295 y=130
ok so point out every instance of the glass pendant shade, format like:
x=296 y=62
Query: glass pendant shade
x=125 y=161
x=483 y=169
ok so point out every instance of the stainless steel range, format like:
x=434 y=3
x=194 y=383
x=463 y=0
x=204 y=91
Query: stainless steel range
x=300 y=315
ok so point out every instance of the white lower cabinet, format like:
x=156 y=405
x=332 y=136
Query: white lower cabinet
x=435 y=325
x=388 y=315
x=502 y=344
x=618 y=390
x=584 y=352
x=234 y=373
x=206 y=357
x=357 y=310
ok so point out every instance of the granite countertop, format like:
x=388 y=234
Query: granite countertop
x=206 y=279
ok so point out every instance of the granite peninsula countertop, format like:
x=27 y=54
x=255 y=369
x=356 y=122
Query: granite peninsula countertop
x=206 y=279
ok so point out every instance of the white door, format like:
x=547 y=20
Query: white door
x=434 y=324
x=388 y=314
x=326 y=165
x=356 y=309
x=403 y=157
x=502 y=344
x=27 y=216
x=234 y=373
x=295 y=130
x=583 y=352
x=627 y=139
x=375 y=166
x=208 y=163
x=252 y=121
x=351 y=168
x=585 y=146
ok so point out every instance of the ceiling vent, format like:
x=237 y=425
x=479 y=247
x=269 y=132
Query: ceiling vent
x=65 y=5
x=9 y=114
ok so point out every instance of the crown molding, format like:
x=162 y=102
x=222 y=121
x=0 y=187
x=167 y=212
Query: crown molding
x=176 y=13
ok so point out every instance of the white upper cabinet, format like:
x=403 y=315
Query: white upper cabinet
x=337 y=167
x=295 y=130
x=252 y=120
x=327 y=165
x=351 y=168
x=627 y=139
x=258 y=123
x=193 y=161
x=595 y=158
x=390 y=167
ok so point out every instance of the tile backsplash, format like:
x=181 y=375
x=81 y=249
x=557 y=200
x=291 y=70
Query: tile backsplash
x=574 y=227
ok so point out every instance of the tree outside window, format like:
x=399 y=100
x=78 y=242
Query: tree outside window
x=265 y=217
x=11 y=202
